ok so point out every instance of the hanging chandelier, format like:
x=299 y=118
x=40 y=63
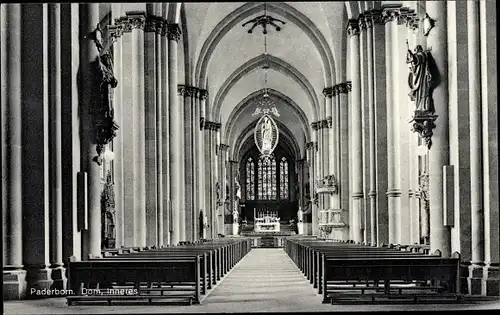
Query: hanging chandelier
x=266 y=133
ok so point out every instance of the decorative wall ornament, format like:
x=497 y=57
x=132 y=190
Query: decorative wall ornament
x=266 y=135
x=428 y=24
x=329 y=92
x=348 y=85
x=329 y=122
x=390 y=14
x=377 y=17
x=173 y=32
x=264 y=20
x=352 y=27
x=108 y=213
x=104 y=84
x=203 y=94
x=422 y=80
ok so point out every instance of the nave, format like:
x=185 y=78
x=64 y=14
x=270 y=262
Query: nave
x=265 y=280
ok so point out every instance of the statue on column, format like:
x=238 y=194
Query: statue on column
x=300 y=215
x=105 y=84
x=422 y=79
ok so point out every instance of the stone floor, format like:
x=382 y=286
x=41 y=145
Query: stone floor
x=266 y=280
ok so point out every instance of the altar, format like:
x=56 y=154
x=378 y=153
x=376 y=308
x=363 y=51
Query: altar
x=266 y=222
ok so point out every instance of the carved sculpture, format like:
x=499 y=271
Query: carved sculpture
x=106 y=82
x=422 y=80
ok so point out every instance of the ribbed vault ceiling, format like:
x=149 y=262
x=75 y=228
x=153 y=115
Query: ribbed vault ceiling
x=307 y=55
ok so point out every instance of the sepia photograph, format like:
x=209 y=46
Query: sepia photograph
x=249 y=157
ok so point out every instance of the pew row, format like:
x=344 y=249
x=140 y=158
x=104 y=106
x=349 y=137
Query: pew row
x=345 y=271
x=171 y=274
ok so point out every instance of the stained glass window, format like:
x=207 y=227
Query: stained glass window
x=250 y=186
x=283 y=178
x=267 y=178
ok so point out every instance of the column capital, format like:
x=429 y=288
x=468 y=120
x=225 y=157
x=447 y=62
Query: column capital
x=343 y=87
x=329 y=121
x=223 y=147
x=303 y=160
x=352 y=27
x=173 y=31
x=367 y=19
x=315 y=125
x=324 y=123
x=376 y=17
x=136 y=19
x=190 y=91
x=391 y=12
x=203 y=94
x=210 y=125
x=311 y=145
x=154 y=24
x=233 y=161
x=362 y=22
x=181 y=89
x=115 y=32
x=329 y=92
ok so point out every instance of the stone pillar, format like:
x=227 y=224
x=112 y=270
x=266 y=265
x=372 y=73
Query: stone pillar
x=476 y=159
x=356 y=137
x=223 y=183
x=371 y=141
x=344 y=154
x=118 y=162
x=202 y=208
x=175 y=148
x=165 y=135
x=89 y=13
x=439 y=152
x=195 y=129
x=489 y=91
x=55 y=146
x=187 y=97
x=159 y=133
x=312 y=184
x=393 y=127
x=137 y=22
x=35 y=181
x=151 y=131
x=14 y=283
x=184 y=202
x=208 y=178
x=380 y=110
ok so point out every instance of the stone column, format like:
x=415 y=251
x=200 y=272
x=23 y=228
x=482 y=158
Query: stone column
x=201 y=159
x=393 y=132
x=165 y=135
x=380 y=110
x=224 y=158
x=344 y=154
x=175 y=148
x=215 y=176
x=159 y=133
x=89 y=54
x=363 y=53
x=489 y=91
x=371 y=152
x=312 y=183
x=356 y=137
x=137 y=22
x=55 y=146
x=116 y=32
x=151 y=128
x=476 y=159
x=195 y=126
x=185 y=202
x=439 y=152
x=14 y=283
x=35 y=182
x=188 y=130
x=207 y=213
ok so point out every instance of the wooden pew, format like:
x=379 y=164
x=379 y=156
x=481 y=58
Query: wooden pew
x=183 y=268
x=369 y=265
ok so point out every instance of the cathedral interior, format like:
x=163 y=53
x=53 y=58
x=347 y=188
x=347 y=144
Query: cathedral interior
x=233 y=130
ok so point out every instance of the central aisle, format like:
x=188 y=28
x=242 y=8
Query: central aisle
x=265 y=280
